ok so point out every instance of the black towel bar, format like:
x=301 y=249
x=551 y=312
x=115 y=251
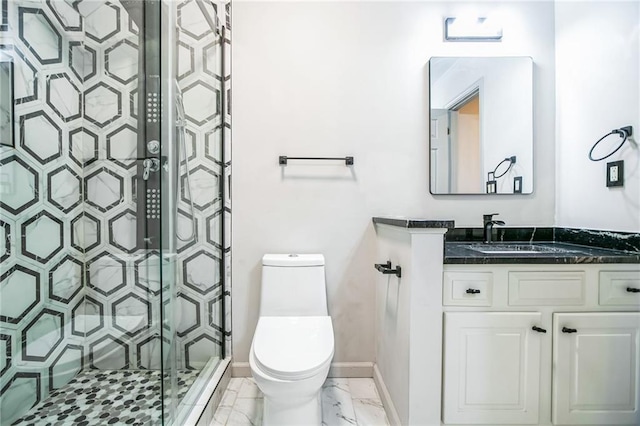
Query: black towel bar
x=283 y=159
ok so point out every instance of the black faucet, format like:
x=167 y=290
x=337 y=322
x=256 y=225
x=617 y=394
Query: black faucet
x=488 y=223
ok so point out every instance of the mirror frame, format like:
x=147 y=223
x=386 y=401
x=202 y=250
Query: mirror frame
x=517 y=182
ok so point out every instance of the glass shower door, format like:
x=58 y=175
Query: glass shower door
x=193 y=59
x=179 y=202
x=156 y=184
x=111 y=209
x=87 y=271
x=123 y=191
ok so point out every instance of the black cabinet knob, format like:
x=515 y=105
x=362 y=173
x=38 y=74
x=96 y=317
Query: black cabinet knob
x=538 y=329
x=633 y=290
x=473 y=291
x=569 y=330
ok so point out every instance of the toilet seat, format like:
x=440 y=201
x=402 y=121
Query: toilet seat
x=293 y=348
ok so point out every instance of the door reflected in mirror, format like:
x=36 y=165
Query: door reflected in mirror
x=481 y=125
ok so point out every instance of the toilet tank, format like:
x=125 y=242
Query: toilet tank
x=293 y=285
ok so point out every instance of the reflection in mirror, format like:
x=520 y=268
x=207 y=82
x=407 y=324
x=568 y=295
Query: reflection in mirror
x=6 y=103
x=481 y=125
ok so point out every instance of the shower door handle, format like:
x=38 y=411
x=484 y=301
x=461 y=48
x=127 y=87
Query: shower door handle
x=149 y=165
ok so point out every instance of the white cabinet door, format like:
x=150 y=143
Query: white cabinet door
x=596 y=368
x=491 y=368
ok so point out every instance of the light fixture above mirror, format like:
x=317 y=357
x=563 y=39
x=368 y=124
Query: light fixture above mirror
x=472 y=29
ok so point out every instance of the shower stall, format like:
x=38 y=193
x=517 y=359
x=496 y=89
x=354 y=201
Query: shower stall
x=114 y=208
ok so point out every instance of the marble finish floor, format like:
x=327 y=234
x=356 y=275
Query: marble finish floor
x=344 y=402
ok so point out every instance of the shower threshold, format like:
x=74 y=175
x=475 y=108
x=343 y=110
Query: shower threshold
x=102 y=397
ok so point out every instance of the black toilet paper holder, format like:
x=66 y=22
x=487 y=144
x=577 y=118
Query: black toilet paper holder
x=385 y=268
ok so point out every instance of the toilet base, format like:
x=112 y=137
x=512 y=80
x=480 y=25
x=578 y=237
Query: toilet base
x=306 y=412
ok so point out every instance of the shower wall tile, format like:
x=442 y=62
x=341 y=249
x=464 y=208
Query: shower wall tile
x=102 y=104
x=85 y=232
x=104 y=21
x=104 y=189
x=64 y=97
x=83 y=146
x=122 y=146
x=38 y=33
x=121 y=61
x=82 y=60
x=21 y=295
x=66 y=279
x=68 y=18
x=23 y=188
x=41 y=136
x=64 y=188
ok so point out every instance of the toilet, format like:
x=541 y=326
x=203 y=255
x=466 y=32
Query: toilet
x=292 y=346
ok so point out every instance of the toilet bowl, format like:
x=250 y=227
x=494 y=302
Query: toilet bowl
x=293 y=344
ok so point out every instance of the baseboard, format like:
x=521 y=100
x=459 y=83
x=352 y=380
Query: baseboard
x=351 y=369
x=389 y=408
x=338 y=369
x=240 y=369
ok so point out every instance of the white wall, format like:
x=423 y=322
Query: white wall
x=350 y=78
x=597 y=90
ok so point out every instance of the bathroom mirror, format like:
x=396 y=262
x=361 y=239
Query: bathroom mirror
x=6 y=103
x=481 y=125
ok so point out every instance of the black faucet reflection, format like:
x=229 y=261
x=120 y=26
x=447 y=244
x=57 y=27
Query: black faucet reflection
x=488 y=223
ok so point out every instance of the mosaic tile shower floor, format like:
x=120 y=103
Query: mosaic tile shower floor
x=103 y=397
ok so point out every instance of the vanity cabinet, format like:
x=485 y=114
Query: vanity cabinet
x=492 y=363
x=544 y=345
x=597 y=368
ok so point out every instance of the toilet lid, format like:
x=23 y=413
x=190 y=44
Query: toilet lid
x=293 y=347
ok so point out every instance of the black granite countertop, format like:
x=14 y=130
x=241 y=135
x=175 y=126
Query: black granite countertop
x=559 y=253
x=414 y=223
x=552 y=245
x=559 y=246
